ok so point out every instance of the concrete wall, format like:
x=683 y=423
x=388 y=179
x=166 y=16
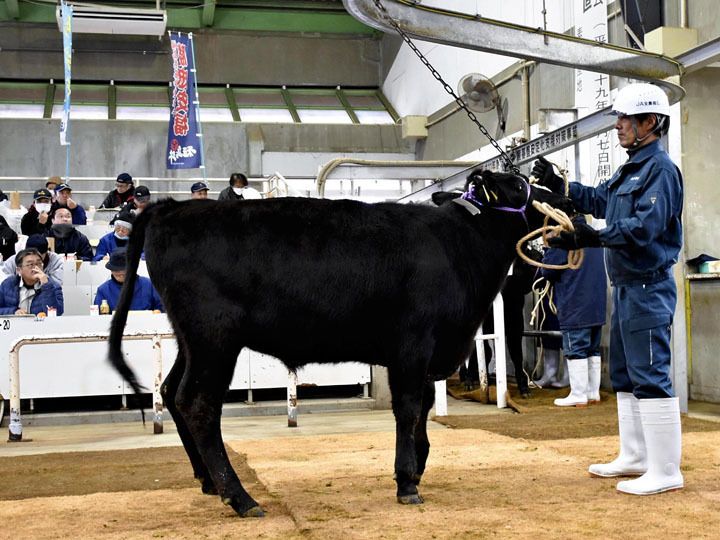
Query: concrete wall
x=104 y=148
x=233 y=57
x=700 y=121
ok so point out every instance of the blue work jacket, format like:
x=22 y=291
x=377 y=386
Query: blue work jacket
x=642 y=206
x=581 y=294
x=145 y=297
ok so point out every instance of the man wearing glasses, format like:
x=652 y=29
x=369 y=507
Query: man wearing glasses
x=30 y=291
x=124 y=192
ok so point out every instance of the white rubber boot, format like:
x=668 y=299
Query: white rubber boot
x=632 y=460
x=551 y=358
x=578 y=372
x=663 y=438
x=593 y=390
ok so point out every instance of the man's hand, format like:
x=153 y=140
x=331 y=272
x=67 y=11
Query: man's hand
x=71 y=204
x=42 y=218
x=543 y=171
x=583 y=236
x=40 y=275
x=20 y=312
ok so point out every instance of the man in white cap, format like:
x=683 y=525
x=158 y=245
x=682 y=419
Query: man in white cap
x=642 y=205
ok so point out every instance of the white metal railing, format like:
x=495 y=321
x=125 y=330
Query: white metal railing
x=15 y=426
x=500 y=362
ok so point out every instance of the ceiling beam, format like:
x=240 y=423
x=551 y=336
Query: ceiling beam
x=13 y=9
x=208 y=13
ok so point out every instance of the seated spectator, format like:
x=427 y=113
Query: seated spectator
x=53 y=264
x=123 y=192
x=30 y=291
x=145 y=296
x=64 y=200
x=8 y=238
x=3 y=197
x=199 y=190
x=117 y=238
x=140 y=201
x=67 y=238
x=238 y=189
x=51 y=184
x=37 y=219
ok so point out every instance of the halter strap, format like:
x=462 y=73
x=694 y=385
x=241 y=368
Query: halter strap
x=469 y=196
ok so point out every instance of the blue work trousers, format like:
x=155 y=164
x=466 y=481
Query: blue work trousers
x=582 y=342
x=640 y=338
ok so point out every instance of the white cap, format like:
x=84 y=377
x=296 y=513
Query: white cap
x=641 y=98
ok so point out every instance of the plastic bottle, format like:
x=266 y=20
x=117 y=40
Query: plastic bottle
x=104 y=308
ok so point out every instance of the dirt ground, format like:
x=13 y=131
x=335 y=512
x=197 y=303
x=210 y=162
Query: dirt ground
x=510 y=476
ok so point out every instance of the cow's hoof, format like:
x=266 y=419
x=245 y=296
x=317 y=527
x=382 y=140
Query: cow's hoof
x=414 y=498
x=254 y=512
x=525 y=395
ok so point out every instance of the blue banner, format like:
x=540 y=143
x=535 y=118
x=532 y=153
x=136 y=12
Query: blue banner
x=183 y=149
x=67 y=12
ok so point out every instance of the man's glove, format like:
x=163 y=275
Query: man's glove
x=543 y=171
x=583 y=236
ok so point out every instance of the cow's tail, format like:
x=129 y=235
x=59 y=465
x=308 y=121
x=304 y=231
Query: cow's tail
x=134 y=252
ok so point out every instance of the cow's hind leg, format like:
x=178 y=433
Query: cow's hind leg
x=169 y=393
x=199 y=401
x=422 y=443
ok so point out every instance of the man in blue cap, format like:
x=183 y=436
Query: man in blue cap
x=199 y=190
x=63 y=193
x=145 y=296
x=124 y=192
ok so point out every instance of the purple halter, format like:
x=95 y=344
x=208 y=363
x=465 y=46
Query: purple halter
x=469 y=196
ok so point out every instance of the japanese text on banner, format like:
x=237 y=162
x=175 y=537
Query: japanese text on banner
x=183 y=141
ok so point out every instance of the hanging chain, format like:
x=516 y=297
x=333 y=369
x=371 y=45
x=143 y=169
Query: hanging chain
x=508 y=161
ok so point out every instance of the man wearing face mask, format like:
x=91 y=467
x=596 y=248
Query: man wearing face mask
x=64 y=200
x=118 y=238
x=37 y=219
x=67 y=238
x=238 y=189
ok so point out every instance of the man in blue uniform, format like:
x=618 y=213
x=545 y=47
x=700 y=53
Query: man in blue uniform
x=642 y=206
x=581 y=300
x=145 y=296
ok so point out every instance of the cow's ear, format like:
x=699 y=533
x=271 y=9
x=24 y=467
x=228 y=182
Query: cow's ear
x=442 y=197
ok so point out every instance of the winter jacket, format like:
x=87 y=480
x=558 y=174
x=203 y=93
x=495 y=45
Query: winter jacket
x=49 y=295
x=107 y=244
x=8 y=238
x=642 y=205
x=580 y=295
x=30 y=224
x=115 y=199
x=76 y=243
x=145 y=297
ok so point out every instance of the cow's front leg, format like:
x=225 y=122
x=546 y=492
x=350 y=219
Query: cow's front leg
x=407 y=407
x=422 y=443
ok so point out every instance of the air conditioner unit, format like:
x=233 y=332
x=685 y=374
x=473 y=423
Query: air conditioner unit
x=89 y=19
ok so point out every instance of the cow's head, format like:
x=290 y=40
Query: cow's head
x=508 y=192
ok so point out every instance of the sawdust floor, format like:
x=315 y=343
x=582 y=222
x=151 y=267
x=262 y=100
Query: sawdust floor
x=508 y=476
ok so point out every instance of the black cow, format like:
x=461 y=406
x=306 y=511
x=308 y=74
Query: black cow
x=516 y=286
x=312 y=280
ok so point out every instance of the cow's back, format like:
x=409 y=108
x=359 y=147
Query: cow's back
x=307 y=279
